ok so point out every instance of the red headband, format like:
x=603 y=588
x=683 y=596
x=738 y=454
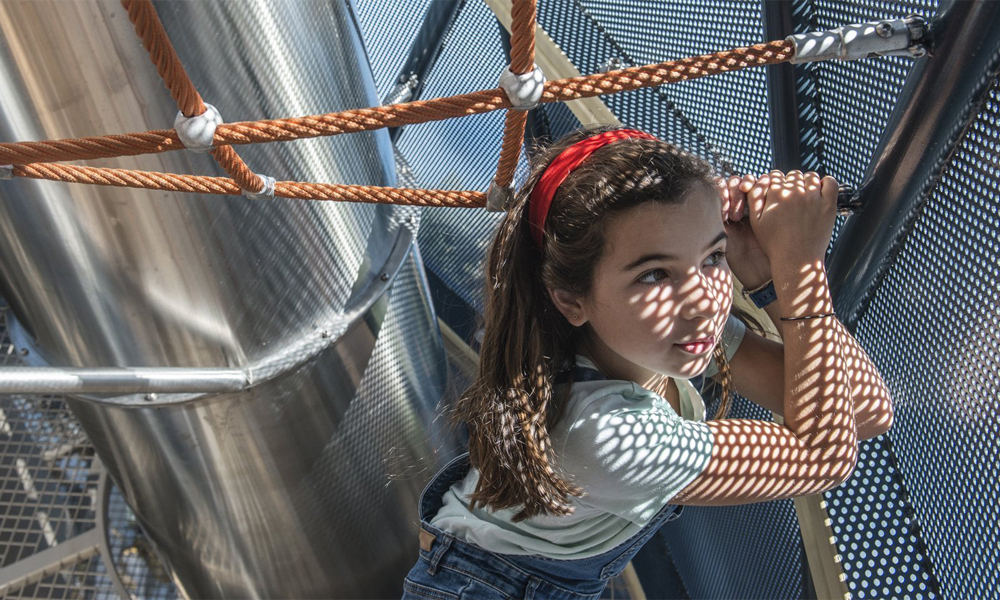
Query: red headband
x=560 y=168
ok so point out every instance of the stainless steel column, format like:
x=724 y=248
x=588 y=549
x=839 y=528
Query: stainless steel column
x=306 y=484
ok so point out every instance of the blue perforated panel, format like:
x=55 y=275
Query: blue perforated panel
x=460 y=153
x=932 y=330
x=388 y=31
x=722 y=118
x=855 y=98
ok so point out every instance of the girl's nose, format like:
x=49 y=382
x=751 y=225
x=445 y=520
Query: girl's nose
x=700 y=297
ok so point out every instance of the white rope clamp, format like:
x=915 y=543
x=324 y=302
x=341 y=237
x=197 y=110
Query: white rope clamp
x=499 y=199
x=851 y=42
x=197 y=133
x=266 y=193
x=524 y=91
x=6 y=171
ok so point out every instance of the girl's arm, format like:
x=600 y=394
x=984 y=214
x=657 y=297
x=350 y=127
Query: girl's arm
x=758 y=365
x=816 y=447
x=758 y=374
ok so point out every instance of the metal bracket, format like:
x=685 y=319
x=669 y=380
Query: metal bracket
x=266 y=193
x=197 y=133
x=525 y=90
x=898 y=37
x=499 y=199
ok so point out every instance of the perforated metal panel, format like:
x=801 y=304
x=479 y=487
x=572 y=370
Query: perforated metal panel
x=387 y=33
x=854 y=98
x=459 y=154
x=932 y=330
x=722 y=118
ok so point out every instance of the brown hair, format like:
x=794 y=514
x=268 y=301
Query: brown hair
x=512 y=405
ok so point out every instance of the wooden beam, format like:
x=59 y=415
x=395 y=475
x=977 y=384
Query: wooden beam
x=821 y=551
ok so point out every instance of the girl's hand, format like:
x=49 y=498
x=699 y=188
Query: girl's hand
x=746 y=258
x=793 y=214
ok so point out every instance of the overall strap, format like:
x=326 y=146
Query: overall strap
x=579 y=374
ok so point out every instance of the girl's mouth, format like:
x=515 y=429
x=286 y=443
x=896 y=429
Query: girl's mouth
x=697 y=347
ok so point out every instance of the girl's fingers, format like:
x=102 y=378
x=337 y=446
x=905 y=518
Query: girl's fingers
x=743 y=186
x=756 y=197
x=830 y=189
x=812 y=180
x=736 y=198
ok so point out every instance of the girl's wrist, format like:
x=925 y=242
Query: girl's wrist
x=794 y=267
x=752 y=284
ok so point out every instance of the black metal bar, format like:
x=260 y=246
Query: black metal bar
x=424 y=51
x=781 y=95
x=940 y=99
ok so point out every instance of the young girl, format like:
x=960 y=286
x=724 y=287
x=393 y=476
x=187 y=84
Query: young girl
x=609 y=286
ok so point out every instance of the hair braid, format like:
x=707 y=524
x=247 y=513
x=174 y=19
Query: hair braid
x=725 y=375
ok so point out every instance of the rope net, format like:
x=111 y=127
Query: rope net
x=38 y=160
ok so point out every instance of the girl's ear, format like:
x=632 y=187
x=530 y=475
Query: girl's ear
x=570 y=306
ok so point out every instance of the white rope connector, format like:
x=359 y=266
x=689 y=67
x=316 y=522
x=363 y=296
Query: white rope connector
x=499 y=199
x=198 y=133
x=524 y=91
x=266 y=193
x=852 y=42
x=6 y=171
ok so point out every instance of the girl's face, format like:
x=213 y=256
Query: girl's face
x=662 y=290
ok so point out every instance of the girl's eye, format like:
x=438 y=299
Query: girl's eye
x=653 y=277
x=716 y=258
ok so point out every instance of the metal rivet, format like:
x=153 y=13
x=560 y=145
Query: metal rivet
x=612 y=64
x=884 y=30
x=385 y=277
x=24 y=352
x=324 y=334
x=149 y=397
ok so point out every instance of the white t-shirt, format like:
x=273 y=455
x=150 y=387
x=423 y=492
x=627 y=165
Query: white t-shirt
x=624 y=445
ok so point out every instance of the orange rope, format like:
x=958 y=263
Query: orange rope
x=224 y=186
x=522 y=60
x=522 y=36
x=366 y=119
x=395 y=115
x=154 y=38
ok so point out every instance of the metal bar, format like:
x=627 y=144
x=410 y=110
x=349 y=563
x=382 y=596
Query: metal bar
x=55 y=380
x=782 y=101
x=103 y=500
x=939 y=101
x=861 y=40
x=42 y=564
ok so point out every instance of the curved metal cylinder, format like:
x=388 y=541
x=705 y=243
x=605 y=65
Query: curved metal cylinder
x=305 y=483
x=304 y=486
x=143 y=278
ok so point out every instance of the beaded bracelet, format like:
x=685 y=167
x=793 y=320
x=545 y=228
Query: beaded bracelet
x=809 y=317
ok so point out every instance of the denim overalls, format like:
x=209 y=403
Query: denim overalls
x=449 y=568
